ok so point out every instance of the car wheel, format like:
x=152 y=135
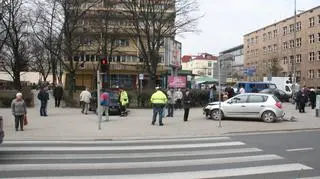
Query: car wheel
x=268 y=116
x=215 y=114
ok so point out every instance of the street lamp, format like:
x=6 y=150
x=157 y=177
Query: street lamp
x=294 y=79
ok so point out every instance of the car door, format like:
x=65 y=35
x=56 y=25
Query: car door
x=235 y=107
x=255 y=104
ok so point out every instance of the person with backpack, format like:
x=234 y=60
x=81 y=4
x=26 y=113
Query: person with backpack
x=104 y=102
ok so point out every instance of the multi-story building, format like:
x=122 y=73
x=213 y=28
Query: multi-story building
x=200 y=65
x=272 y=50
x=103 y=20
x=232 y=66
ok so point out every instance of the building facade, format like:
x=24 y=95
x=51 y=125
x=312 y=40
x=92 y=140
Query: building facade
x=200 y=65
x=273 y=50
x=232 y=68
x=103 y=28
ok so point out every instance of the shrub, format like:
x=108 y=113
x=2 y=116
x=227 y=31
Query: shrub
x=7 y=96
x=69 y=101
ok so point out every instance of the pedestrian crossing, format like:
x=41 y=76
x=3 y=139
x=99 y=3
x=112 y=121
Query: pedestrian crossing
x=198 y=157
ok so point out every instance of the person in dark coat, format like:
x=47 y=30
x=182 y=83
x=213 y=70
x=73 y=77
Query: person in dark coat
x=186 y=99
x=302 y=99
x=312 y=97
x=57 y=93
x=43 y=96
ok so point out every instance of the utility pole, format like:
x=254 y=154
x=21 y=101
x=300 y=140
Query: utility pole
x=294 y=78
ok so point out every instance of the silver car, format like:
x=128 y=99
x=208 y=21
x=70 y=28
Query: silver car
x=248 y=105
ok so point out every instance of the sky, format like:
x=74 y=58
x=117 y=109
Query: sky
x=226 y=21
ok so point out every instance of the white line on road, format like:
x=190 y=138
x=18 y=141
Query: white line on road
x=299 y=149
x=318 y=177
x=200 y=139
x=126 y=165
x=233 y=172
x=128 y=155
x=108 y=148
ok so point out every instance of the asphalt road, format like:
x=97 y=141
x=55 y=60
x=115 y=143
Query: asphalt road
x=286 y=155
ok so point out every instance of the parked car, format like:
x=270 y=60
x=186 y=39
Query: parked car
x=1 y=130
x=249 y=105
x=114 y=105
x=280 y=94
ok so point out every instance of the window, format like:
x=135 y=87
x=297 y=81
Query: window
x=269 y=48
x=311 y=56
x=291 y=28
x=291 y=59
x=209 y=73
x=275 y=33
x=311 y=38
x=291 y=43
x=319 y=19
x=298 y=26
x=257 y=99
x=318 y=55
x=311 y=21
x=257 y=38
x=285 y=60
x=318 y=37
x=285 y=45
x=269 y=35
x=298 y=58
x=298 y=73
x=298 y=42
x=318 y=74
x=121 y=42
x=285 y=29
x=264 y=49
x=275 y=47
x=311 y=74
x=264 y=36
x=209 y=64
x=240 y=99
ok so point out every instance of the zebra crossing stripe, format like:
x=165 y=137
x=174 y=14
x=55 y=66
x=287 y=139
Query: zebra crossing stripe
x=233 y=172
x=200 y=139
x=112 y=148
x=129 y=155
x=127 y=165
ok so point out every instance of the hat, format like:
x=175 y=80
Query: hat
x=18 y=94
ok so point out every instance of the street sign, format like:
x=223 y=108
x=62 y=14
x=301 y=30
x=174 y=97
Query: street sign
x=269 y=78
x=141 y=76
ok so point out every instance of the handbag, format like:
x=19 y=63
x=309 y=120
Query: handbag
x=25 y=120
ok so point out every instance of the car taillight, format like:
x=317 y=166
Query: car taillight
x=279 y=105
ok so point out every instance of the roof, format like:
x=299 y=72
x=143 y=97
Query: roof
x=283 y=20
x=202 y=56
x=232 y=49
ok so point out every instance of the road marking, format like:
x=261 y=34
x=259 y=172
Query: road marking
x=126 y=165
x=128 y=155
x=109 y=148
x=120 y=141
x=233 y=172
x=299 y=149
x=318 y=177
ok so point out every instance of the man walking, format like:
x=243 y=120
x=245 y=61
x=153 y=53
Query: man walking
x=158 y=101
x=178 y=96
x=85 y=97
x=302 y=100
x=57 y=93
x=43 y=96
x=186 y=105
x=123 y=100
x=171 y=102
x=104 y=101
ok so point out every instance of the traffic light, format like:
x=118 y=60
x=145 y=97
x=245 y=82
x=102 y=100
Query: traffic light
x=104 y=65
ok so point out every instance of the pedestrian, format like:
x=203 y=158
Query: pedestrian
x=178 y=97
x=302 y=100
x=124 y=101
x=230 y=92
x=43 y=96
x=158 y=101
x=19 y=111
x=254 y=89
x=186 y=104
x=312 y=97
x=212 y=94
x=104 y=102
x=242 y=90
x=57 y=94
x=171 y=102
x=85 y=97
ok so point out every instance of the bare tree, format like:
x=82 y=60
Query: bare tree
x=155 y=20
x=14 y=53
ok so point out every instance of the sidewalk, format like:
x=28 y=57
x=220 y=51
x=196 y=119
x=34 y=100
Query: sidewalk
x=70 y=124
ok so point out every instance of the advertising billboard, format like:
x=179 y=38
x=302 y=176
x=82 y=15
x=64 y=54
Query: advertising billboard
x=177 y=81
x=172 y=53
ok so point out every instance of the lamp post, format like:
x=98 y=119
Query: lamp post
x=294 y=79
x=219 y=93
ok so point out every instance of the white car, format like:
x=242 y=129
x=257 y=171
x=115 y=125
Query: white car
x=248 y=105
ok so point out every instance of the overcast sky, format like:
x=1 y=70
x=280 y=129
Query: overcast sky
x=226 y=21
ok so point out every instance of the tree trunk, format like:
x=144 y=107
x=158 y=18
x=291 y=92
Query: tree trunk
x=54 y=72
x=72 y=81
x=16 y=80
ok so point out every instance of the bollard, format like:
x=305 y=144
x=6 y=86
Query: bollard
x=318 y=106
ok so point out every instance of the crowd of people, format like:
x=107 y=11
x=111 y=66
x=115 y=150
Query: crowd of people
x=303 y=96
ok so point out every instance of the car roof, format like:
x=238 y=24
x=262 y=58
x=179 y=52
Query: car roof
x=260 y=94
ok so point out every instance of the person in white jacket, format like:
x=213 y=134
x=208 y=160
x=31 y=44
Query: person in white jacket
x=85 y=97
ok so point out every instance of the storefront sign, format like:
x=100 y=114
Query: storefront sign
x=177 y=81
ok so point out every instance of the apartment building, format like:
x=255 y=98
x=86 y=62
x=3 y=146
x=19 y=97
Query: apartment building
x=272 y=50
x=200 y=65
x=103 y=20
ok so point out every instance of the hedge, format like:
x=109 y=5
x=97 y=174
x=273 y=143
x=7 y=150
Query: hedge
x=6 y=97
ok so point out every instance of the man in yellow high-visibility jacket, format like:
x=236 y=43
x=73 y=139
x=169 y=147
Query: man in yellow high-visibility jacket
x=158 y=101
x=124 y=101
